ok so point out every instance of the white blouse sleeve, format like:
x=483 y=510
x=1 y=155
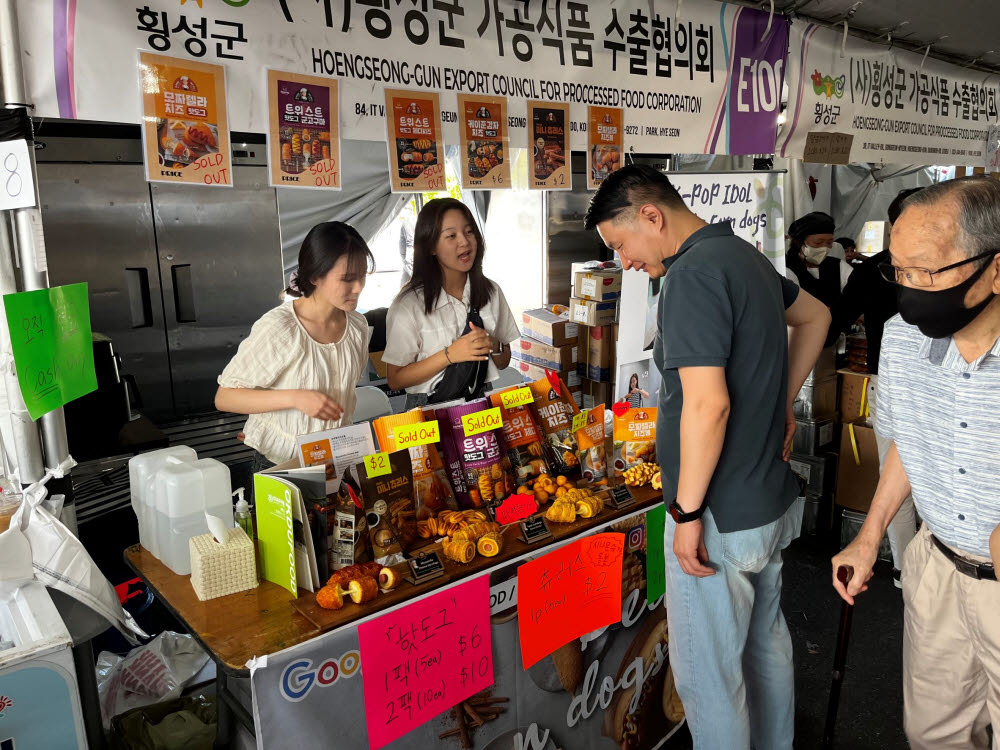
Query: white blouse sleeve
x=506 y=330
x=269 y=350
x=403 y=324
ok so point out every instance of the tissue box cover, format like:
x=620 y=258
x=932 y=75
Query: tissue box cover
x=218 y=570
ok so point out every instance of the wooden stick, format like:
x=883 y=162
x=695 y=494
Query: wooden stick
x=476 y=718
x=487 y=700
x=463 y=728
x=449 y=733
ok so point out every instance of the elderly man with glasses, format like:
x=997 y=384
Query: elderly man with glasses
x=939 y=403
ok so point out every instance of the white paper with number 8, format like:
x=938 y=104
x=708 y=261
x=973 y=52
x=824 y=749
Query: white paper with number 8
x=17 y=190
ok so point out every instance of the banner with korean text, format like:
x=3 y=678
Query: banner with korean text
x=695 y=77
x=881 y=104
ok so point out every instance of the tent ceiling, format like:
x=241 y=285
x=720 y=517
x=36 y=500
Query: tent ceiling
x=960 y=31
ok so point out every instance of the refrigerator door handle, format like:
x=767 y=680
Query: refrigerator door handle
x=184 y=307
x=140 y=304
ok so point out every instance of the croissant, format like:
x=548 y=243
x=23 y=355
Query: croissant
x=489 y=545
x=561 y=513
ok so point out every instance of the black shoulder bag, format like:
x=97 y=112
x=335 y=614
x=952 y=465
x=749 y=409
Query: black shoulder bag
x=462 y=379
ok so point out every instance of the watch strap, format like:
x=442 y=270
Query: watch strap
x=680 y=516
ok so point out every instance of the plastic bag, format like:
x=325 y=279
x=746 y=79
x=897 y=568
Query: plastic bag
x=149 y=674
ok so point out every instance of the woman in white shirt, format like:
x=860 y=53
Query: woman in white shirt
x=425 y=323
x=296 y=372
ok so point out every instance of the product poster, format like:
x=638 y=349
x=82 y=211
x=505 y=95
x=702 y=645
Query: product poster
x=416 y=150
x=605 y=134
x=548 y=130
x=185 y=124
x=485 y=152
x=303 y=144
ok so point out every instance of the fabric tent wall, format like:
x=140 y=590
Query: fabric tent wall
x=365 y=203
x=862 y=193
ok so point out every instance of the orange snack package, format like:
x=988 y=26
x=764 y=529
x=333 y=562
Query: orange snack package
x=593 y=453
x=635 y=437
x=524 y=439
x=554 y=409
x=431 y=487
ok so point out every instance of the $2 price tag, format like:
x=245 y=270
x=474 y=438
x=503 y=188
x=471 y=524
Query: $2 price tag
x=377 y=464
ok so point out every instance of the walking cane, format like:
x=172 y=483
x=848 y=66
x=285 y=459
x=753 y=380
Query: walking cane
x=844 y=575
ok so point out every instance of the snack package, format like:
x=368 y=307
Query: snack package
x=524 y=440
x=389 y=507
x=554 y=408
x=635 y=437
x=487 y=470
x=453 y=461
x=593 y=453
x=432 y=489
x=344 y=531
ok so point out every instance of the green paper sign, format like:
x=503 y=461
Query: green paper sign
x=273 y=506
x=656 y=574
x=53 y=347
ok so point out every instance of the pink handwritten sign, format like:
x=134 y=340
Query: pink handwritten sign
x=423 y=659
x=516 y=508
x=567 y=593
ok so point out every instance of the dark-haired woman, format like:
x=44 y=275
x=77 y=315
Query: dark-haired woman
x=425 y=324
x=635 y=393
x=296 y=372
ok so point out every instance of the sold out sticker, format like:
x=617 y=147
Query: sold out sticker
x=482 y=421
x=516 y=397
x=377 y=464
x=421 y=433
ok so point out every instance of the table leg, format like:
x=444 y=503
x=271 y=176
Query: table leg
x=224 y=714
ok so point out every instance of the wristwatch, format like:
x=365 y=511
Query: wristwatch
x=679 y=516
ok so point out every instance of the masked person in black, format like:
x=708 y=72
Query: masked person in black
x=808 y=262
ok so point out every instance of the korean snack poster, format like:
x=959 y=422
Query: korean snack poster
x=548 y=129
x=416 y=150
x=605 y=142
x=185 y=122
x=483 y=129
x=303 y=146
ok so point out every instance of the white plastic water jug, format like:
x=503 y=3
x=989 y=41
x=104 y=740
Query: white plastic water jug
x=185 y=492
x=141 y=474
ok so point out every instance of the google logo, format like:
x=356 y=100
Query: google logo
x=299 y=678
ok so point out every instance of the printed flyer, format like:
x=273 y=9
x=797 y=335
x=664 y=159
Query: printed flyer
x=303 y=146
x=605 y=133
x=185 y=123
x=416 y=151
x=548 y=131
x=485 y=152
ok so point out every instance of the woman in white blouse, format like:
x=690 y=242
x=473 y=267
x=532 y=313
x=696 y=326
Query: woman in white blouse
x=296 y=372
x=425 y=324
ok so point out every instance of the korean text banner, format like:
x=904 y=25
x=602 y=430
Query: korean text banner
x=898 y=107
x=694 y=77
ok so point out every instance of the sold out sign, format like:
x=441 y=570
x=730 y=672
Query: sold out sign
x=421 y=433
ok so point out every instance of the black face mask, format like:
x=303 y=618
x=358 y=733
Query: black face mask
x=941 y=314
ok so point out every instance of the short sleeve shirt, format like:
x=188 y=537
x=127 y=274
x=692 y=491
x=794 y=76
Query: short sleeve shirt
x=412 y=335
x=723 y=305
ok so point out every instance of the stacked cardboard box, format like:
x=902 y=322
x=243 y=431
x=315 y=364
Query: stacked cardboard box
x=548 y=342
x=595 y=296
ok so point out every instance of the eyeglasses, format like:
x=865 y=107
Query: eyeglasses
x=923 y=276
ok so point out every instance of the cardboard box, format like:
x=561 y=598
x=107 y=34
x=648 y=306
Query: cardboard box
x=545 y=326
x=857 y=474
x=531 y=373
x=595 y=393
x=857 y=392
x=598 y=286
x=544 y=355
x=596 y=352
x=590 y=313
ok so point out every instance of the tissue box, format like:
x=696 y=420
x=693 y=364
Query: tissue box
x=218 y=570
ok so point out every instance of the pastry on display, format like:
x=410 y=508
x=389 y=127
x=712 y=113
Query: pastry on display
x=641 y=474
x=447 y=523
x=460 y=550
x=490 y=544
x=577 y=502
x=361 y=589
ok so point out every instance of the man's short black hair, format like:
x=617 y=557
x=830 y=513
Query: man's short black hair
x=896 y=207
x=846 y=242
x=629 y=188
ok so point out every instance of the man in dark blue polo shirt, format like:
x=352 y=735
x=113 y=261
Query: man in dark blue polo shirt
x=735 y=341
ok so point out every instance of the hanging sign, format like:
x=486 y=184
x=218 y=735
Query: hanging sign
x=548 y=133
x=303 y=145
x=17 y=189
x=185 y=124
x=53 y=347
x=416 y=151
x=485 y=147
x=605 y=132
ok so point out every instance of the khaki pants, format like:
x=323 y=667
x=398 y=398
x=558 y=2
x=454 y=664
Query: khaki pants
x=951 y=652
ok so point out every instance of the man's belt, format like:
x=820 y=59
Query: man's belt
x=979 y=571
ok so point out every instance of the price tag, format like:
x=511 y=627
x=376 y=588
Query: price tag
x=588 y=287
x=580 y=420
x=534 y=530
x=421 y=433
x=17 y=189
x=377 y=464
x=425 y=567
x=516 y=397
x=621 y=496
x=482 y=421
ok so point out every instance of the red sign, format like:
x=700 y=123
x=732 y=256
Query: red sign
x=567 y=593
x=516 y=508
x=425 y=658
